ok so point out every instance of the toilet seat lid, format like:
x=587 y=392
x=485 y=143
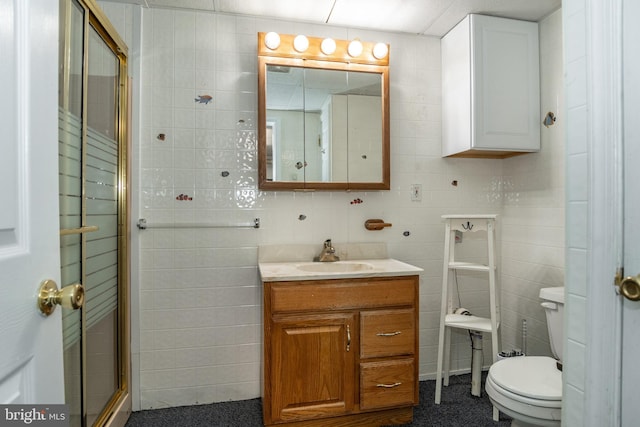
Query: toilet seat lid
x=536 y=377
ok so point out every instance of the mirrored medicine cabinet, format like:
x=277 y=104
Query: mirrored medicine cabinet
x=323 y=117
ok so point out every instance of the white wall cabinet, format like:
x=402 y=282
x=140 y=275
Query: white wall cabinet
x=490 y=88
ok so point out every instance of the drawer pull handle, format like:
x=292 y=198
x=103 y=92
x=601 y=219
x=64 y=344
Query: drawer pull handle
x=388 y=334
x=348 y=338
x=388 y=385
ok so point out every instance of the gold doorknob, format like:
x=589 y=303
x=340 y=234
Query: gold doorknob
x=630 y=288
x=71 y=296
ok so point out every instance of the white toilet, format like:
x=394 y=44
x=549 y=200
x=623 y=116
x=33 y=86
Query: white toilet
x=529 y=388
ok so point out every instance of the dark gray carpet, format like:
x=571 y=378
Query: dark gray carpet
x=458 y=408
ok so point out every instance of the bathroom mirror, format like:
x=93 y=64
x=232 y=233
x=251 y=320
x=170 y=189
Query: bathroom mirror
x=323 y=122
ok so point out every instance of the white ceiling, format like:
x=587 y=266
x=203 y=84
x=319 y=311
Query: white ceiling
x=428 y=17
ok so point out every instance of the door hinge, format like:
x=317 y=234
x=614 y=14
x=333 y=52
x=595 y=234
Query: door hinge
x=618 y=279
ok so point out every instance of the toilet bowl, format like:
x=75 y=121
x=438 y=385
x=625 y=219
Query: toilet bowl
x=529 y=388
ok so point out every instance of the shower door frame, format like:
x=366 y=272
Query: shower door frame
x=118 y=408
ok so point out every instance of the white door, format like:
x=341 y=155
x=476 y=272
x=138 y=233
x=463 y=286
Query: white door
x=630 y=410
x=31 y=344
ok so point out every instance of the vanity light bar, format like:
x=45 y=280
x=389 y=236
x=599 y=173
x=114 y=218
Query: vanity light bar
x=323 y=49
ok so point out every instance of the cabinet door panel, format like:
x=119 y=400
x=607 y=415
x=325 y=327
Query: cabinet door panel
x=312 y=366
x=387 y=383
x=387 y=333
x=507 y=101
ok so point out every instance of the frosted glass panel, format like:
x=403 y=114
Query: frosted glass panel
x=101 y=204
x=70 y=188
x=70 y=166
x=71 y=272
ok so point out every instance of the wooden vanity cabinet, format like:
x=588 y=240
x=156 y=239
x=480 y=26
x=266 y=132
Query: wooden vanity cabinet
x=341 y=352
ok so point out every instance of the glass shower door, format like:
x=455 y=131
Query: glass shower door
x=70 y=132
x=101 y=210
x=93 y=213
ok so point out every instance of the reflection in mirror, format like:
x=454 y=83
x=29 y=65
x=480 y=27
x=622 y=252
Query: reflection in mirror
x=285 y=117
x=324 y=125
x=336 y=113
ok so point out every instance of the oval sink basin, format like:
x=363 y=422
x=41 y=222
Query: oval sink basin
x=334 y=267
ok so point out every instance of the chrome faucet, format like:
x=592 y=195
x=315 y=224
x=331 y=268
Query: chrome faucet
x=328 y=253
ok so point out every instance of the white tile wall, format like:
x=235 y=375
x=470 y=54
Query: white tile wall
x=200 y=296
x=574 y=21
x=533 y=216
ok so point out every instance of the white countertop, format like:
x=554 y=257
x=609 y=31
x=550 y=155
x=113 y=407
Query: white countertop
x=301 y=270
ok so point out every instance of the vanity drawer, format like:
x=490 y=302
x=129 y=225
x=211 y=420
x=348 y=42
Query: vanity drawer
x=387 y=333
x=341 y=294
x=387 y=383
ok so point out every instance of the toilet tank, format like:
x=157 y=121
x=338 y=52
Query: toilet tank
x=553 y=303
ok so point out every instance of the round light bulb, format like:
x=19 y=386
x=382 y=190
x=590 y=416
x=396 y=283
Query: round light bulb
x=328 y=46
x=355 y=48
x=272 y=40
x=380 y=50
x=301 y=43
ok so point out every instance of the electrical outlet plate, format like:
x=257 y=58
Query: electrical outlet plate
x=416 y=192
